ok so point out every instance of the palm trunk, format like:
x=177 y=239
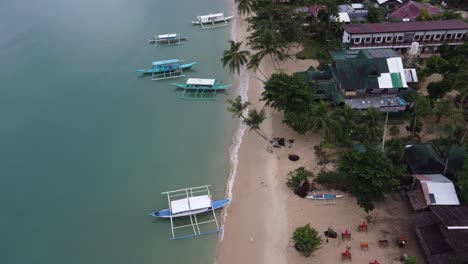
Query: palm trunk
x=243 y=68
x=463 y=136
x=256 y=130
x=273 y=62
x=446 y=163
x=414 y=125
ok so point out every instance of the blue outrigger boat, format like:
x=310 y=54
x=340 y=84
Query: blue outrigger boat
x=189 y=203
x=213 y=205
x=166 y=66
x=196 y=88
x=325 y=196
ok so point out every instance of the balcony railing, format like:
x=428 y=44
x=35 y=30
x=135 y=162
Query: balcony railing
x=395 y=44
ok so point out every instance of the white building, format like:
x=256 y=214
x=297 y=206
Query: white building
x=399 y=36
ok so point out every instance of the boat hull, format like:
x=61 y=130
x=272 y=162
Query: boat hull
x=166 y=69
x=324 y=196
x=166 y=213
x=207 y=88
x=212 y=22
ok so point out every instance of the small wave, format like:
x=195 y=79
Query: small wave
x=243 y=88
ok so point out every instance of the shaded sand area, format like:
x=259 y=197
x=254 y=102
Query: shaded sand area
x=264 y=212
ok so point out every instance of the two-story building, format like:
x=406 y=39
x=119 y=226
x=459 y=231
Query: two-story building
x=400 y=36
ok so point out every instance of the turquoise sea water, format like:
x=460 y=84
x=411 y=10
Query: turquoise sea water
x=87 y=146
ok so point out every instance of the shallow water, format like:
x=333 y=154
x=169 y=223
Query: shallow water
x=87 y=145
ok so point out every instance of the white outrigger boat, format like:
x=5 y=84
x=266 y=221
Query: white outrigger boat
x=190 y=202
x=168 y=39
x=212 y=20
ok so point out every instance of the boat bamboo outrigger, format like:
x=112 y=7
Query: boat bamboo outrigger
x=212 y=20
x=325 y=198
x=202 y=89
x=190 y=202
x=167 y=39
x=167 y=69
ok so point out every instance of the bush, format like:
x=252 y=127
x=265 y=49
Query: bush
x=332 y=180
x=306 y=240
x=297 y=176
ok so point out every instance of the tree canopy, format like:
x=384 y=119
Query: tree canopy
x=287 y=92
x=306 y=240
x=370 y=175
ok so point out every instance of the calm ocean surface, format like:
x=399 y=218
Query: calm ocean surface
x=87 y=146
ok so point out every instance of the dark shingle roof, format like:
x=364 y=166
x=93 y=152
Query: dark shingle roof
x=405 y=26
x=358 y=74
x=412 y=10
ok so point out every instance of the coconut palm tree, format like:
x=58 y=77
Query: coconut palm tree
x=371 y=125
x=253 y=119
x=347 y=119
x=246 y=7
x=267 y=41
x=234 y=57
x=322 y=120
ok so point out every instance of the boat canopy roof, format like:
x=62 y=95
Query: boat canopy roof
x=163 y=62
x=191 y=203
x=173 y=35
x=195 y=81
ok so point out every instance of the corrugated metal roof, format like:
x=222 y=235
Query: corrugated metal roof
x=404 y=26
x=438 y=190
x=412 y=10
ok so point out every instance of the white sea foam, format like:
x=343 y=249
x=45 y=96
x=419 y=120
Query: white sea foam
x=242 y=88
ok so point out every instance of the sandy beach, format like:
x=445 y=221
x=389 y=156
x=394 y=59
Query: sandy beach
x=264 y=212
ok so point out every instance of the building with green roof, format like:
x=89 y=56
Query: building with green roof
x=362 y=79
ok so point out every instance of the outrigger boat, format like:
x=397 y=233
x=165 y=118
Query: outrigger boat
x=196 y=88
x=167 y=69
x=190 y=202
x=167 y=39
x=190 y=206
x=325 y=196
x=212 y=20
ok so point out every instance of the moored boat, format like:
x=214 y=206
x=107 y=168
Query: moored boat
x=325 y=196
x=166 y=66
x=195 y=205
x=168 y=39
x=212 y=20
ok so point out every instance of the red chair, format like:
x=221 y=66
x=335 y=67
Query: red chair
x=346 y=255
x=363 y=227
x=346 y=235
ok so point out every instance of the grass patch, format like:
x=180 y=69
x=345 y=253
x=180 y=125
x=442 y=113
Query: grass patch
x=316 y=50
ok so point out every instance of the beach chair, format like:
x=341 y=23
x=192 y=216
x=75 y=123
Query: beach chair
x=374 y=262
x=362 y=227
x=346 y=235
x=364 y=246
x=346 y=256
x=383 y=243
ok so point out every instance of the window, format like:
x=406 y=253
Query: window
x=448 y=36
x=378 y=39
x=427 y=37
x=459 y=36
x=437 y=37
x=399 y=38
x=357 y=40
x=368 y=40
x=389 y=39
x=417 y=37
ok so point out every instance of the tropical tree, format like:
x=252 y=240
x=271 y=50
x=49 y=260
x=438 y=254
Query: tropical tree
x=395 y=150
x=306 y=240
x=287 y=92
x=442 y=108
x=253 y=119
x=234 y=57
x=371 y=125
x=246 y=7
x=298 y=175
x=321 y=120
x=267 y=42
x=438 y=90
x=462 y=178
x=347 y=119
x=421 y=108
x=370 y=175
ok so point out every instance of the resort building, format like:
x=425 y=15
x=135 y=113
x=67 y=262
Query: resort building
x=400 y=36
x=389 y=4
x=352 y=13
x=363 y=79
x=411 y=10
x=442 y=233
x=432 y=190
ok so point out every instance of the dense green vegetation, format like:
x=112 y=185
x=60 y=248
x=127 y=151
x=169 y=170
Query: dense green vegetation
x=370 y=174
x=306 y=240
x=298 y=175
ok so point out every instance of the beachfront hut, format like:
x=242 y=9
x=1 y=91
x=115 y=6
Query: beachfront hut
x=432 y=190
x=442 y=233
